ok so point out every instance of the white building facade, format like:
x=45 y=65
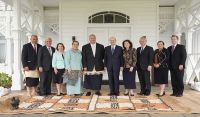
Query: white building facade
x=63 y=20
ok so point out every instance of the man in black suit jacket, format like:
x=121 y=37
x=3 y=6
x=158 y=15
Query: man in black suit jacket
x=144 y=65
x=92 y=60
x=45 y=67
x=177 y=60
x=113 y=60
x=29 y=62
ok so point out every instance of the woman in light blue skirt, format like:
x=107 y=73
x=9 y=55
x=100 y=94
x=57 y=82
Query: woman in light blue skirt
x=73 y=76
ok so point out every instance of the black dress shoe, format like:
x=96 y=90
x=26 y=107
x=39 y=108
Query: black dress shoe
x=63 y=93
x=77 y=94
x=58 y=95
x=132 y=95
x=141 y=93
x=41 y=94
x=116 y=94
x=125 y=94
x=98 y=93
x=147 y=94
x=88 y=94
x=161 y=95
x=49 y=94
x=172 y=94
x=111 y=94
x=179 y=95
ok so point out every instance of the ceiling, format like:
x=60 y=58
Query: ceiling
x=167 y=2
x=55 y=3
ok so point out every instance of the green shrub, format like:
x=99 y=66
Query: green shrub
x=5 y=80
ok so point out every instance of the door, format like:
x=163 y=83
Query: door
x=103 y=34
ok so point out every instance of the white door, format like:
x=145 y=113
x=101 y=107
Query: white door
x=103 y=34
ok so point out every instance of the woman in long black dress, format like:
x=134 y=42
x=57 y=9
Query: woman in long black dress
x=160 y=63
x=130 y=59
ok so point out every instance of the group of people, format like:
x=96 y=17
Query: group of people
x=42 y=64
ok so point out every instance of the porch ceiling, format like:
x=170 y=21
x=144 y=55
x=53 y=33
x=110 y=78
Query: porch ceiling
x=55 y=3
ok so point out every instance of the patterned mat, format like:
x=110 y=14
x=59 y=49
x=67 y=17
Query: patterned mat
x=94 y=104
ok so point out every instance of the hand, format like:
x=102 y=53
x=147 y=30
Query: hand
x=26 y=69
x=121 y=68
x=149 y=68
x=85 y=69
x=55 y=71
x=40 y=69
x=181 y=67
x=105 y=68
x=131 y=69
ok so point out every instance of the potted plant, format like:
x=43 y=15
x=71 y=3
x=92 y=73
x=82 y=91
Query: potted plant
x=5 y=84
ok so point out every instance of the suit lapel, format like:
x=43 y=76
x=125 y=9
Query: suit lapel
x=109 y=47
x=174 y=49
x=96 y=50
x=32 y=48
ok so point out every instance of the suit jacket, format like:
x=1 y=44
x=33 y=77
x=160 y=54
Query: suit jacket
x=114 y=60
x=178 y=57
x=29 y=56
x=145 y=58
x=45 y=58
x=90 y=61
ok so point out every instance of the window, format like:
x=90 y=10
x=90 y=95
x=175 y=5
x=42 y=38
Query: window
x=108 y=17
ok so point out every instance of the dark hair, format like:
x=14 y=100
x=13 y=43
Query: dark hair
x=75 y=42
x=60 y=44
x=175 y=36
x=34 y=36
x=161 y=42
x=131 y=45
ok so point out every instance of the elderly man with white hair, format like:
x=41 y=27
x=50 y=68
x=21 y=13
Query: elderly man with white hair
x=45 y=67
x=144 y=66
x=113 y=60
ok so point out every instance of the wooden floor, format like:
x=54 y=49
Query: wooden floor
x=189 y=103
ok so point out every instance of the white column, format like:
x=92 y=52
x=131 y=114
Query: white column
x=189 y=41
x=8 y=43
x=189 y=69
x=17 y=76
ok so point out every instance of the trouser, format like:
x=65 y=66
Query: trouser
x=45 y=82
x=113 y=77
x=145 y=82
x=177 y=81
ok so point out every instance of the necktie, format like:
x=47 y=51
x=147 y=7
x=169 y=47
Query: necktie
x=35 y=48
x=141 y=50
x=173 y=48
x=50 y=51
x=112 y=50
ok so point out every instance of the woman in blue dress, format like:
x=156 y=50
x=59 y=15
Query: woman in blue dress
x=73 y=76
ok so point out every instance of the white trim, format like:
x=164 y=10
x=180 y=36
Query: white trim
x=60 y=21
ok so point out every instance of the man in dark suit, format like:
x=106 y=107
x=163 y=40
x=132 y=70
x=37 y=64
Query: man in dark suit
x=29 y=62
x=177 y=60
x=113 y=60
x=45 y=67
x=144 y=65
x=92 y=60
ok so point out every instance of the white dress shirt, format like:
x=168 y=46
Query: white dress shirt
x=93 y=48
x=34 y=46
